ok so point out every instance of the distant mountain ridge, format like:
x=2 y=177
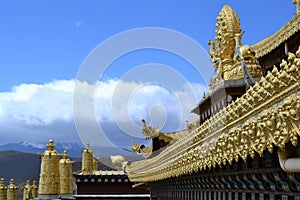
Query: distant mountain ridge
x=19 y=166
x=73 y=149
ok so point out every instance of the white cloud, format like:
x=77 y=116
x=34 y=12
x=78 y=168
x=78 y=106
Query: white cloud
x=124 y=101
x=35 y=104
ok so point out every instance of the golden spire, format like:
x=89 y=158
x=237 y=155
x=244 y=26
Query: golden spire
x=65 y=155
x=34 y=190
x=3 y=189
x=95 y=163
x=65 y=169
x=51 y=145
x=26 y=191
x=87 y=166
x=228 y=55
x=49 y=176
x=228 y=24
x=12 y=190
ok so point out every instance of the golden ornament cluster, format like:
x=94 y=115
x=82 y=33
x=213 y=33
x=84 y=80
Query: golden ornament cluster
x=56 y=173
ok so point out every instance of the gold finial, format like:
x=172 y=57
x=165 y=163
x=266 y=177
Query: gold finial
x=3 y=189
x=12 y=191
x=65 y=178
x=51 y=145
x=1 y=182
x=34 y=183
x=34 y=190
x=95 y=163
x=27 y=191
x=135 y=147
x=87 y=160
x=49 y=174
x=65 y=155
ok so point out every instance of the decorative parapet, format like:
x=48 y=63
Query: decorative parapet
x=270 y=43
x=267 y=114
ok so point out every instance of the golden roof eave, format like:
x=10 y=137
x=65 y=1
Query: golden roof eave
x=253 y=123
x=268 y=44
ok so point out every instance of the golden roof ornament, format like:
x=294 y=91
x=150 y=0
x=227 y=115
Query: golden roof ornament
x=87 y=166
x=142 y=149
x=65 y=155
x=119 y=162
x=267 y=115
x=65 y=176
x=148 y=131
x=3 y=189
x=95 y=163
x=222 y=51
x=230 y=58
x=51 y=145
x=12 y=190
x=27 y=191
x=88 y=145
x=34 y=190
x=49 y=175
x=154 y=134
x=228 y=24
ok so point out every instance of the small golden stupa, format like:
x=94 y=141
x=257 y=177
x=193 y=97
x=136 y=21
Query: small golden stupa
x=3 y=189
x=65 y=170
x=49 y=176
x=34 y=189
x=95 y=163
x=87 y=160
x=12 y=191
x=27 y=191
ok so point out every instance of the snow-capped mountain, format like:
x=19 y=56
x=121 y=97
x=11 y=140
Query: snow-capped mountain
x=73 y=149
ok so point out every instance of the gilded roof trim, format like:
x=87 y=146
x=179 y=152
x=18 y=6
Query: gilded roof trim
x=270 y=43
x=267 y=114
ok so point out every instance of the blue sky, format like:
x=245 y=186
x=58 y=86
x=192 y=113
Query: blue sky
x=46 y=40
x=44 y=43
